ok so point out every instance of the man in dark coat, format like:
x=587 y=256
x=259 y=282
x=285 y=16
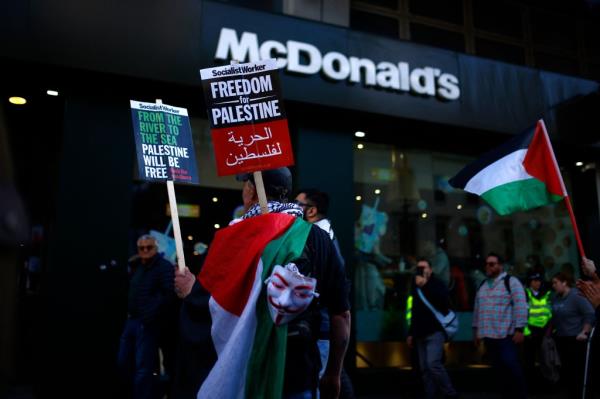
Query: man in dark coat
x=150 y=295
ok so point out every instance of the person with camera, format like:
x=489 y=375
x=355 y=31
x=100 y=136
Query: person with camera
x=427 y=333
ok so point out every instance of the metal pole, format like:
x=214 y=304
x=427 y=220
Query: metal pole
x=587 y=362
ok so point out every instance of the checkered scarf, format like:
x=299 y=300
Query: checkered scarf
x=276 y=207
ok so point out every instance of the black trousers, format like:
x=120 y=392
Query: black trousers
x=572 y=358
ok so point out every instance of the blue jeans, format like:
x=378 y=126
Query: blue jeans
x=138 y=358
x=323 y=345
x=505 y=359
x=433 y=372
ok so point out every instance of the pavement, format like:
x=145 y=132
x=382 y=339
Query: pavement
x=468 y=395
x=26 y=393
x=392 y=384
x=471 y=384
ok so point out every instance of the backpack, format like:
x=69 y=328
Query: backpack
x=506 y=284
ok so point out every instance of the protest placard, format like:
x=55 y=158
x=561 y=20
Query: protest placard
x=163 y=139
x=248 y=123
x=165 y=152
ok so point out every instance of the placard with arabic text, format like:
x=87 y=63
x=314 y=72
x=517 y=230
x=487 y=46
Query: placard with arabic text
x=248 y=123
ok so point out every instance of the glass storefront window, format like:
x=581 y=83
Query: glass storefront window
x=405 y=209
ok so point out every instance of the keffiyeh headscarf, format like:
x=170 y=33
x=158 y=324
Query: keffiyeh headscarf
x=276 y=207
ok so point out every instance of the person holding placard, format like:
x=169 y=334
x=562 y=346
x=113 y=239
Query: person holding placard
x=317 y=265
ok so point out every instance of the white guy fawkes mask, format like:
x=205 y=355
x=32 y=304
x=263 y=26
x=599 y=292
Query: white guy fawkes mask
x=289 y=293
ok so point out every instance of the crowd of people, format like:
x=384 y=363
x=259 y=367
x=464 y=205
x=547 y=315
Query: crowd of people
x=317 y=334
x=535 y=335
x=542 y=317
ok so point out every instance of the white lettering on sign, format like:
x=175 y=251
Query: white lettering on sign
x=306 y=59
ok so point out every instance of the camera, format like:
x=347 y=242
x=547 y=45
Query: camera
x=420 y=271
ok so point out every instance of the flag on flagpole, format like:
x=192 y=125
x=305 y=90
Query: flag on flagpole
x=521 y=174
x=250 y=347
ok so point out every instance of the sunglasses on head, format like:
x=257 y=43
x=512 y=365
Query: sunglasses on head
x=145 y=247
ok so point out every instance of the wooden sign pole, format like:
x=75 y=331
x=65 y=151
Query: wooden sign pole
x=176 y=228
x=258 y=181
x=175 y=220
x=260 y=190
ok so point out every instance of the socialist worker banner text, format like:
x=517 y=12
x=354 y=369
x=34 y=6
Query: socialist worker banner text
x=248 y=123
x=163 y=140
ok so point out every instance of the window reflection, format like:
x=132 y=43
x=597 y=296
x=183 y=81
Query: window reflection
x=407 y=209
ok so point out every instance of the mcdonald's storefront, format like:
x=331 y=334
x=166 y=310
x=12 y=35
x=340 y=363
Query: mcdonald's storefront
x=379 y=124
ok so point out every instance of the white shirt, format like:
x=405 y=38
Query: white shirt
x=325 y=225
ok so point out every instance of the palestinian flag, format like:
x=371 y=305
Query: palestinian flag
x=522 y=174
x=251 y=349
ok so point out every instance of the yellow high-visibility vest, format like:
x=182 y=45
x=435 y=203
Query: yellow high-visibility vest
x=540 y=310
x=409 y=305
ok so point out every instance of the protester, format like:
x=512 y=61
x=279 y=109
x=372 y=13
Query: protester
x=573 y=318
x=539 y=315
x=427 y=333
x=195 y=352
x=589 y=269
x=499 y=318
x=150 y=294
x=318 y=259
x=315 y=205
x=590 y=289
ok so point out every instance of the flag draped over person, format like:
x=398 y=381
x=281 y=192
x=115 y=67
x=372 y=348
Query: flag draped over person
x=521 y=174
x=251 y=348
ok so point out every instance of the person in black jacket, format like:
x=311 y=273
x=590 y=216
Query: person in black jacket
x=427 y=333
x=315 y=205
x=150 y=294
x=319 y=260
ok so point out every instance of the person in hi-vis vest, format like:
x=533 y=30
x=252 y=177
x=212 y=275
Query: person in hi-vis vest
x=539 y=315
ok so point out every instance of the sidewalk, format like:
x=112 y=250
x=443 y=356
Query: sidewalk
x=404 y=384
x=468 y=395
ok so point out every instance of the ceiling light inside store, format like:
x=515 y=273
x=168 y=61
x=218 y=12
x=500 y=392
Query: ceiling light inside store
x=217 y=226
x=360 y=146
x=358 y=198
x=52 y=93
x=578 y=163
x=424 y=215
x=17 y=100
x=459 y=207
x=378 y=191
x=359 y=134
x=215 y=199
x=190 y=238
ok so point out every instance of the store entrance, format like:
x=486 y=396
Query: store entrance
x=202 y=212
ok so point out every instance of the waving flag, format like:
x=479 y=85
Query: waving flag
x=521 y=174
x=251 y=349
